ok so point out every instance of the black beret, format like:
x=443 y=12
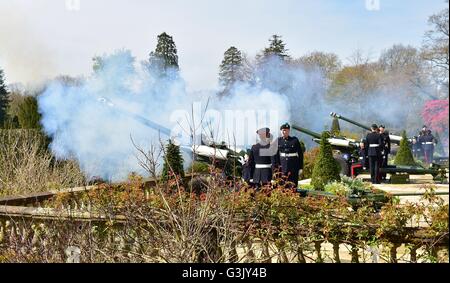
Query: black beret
x=285 y=126
x=382 y=126
x=374 y=126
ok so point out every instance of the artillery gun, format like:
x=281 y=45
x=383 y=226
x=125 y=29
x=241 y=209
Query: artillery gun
x=209 y=152
x=394 y=138
x=345 y=150
x=221 y=155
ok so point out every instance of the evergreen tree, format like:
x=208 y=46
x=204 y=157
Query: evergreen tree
x=276 y=48
x=173 y=162
x=98 y=63
x=29 y=117
x=404 y=155
x=335 y=127
x=271 y=68
x=4 y=100
x=326 y=169
x=165 y=57
x=231 y=69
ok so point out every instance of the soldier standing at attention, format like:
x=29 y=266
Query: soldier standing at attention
x=374 y=146
x=289 y=156
x=385 y=149
x=428 y=141
x=259 y=161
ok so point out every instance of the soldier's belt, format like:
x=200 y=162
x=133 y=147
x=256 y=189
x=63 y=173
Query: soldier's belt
x=427 y=143
x=263 y=166
x=374 y=145
x=289 y=154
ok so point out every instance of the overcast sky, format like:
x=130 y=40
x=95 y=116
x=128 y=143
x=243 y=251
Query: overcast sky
x=44 y=38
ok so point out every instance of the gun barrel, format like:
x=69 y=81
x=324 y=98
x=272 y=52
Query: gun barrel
x=306 y=131
x=396 y=139
x=151 y=124
x=340 y=143
x=332 y=114
x=139 y=118
x=210 y=152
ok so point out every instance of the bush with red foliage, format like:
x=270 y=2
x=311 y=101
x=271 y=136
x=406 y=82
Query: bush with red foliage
x=435 y=115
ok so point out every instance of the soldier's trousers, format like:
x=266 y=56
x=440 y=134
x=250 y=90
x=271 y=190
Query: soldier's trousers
x=289 y=180
x=428 y=154
x=293 y=180
x=374 y=162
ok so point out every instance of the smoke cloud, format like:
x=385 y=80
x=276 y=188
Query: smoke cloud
x=95 y=119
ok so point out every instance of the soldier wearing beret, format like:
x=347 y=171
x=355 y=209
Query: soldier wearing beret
x=385 y=149
x=259 y=161
x=289 y=156
x=427 y=141
x=374 y=144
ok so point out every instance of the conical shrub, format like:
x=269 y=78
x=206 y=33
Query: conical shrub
x=173 y=162
x=404 y=155
x=326 y=169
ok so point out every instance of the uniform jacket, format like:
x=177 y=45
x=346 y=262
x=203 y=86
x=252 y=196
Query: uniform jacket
x=256 y=160
x=374 y=144
x=292 y=164
x=427 y=141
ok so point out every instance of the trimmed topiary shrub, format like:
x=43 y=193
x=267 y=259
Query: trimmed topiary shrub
x=404 y=155
x=173 y=162
x=326 y=169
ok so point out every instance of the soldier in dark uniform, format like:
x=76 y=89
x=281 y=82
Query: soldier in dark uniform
x=374 y=145
x=385 y=149
x=289 y=157
x=260 y=161
x=428 y=141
